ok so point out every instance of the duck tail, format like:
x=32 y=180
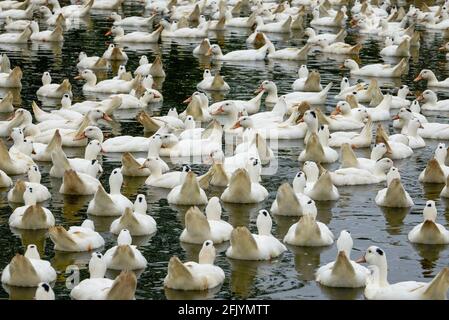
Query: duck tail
x=356 y=49
x=341 y=35
x=403 y=49
x=55 y=142
x=297 y=23
x=38 y=112
x=6 y=104
x=339 y=18
x=415 y=40
x=348 y=157
x=438 y=286
x=400 y=68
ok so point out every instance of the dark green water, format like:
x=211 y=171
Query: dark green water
x=291 y=276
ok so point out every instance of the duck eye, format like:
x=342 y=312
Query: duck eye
x=309 y=202
x=429 y=205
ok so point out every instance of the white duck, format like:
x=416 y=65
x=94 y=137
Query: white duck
x=28 y=270
x=210 y=226
x=190 y=275
x=124 y=256
x=343 y=272
x=135 y=220
x=77 y=238
x=376 y=69
x=378 y=287
x=106 y=86
x=188 y=193
x=429 y=231
x=357 y=176
x=260 y=246
x=432 y=80
x=113 y=203
x=394 y=195
x=319 y=187
x=134 y=37
x=307 y=231
x=243 y=189
x=31 y=216
x=97 y=287
x=40 y=191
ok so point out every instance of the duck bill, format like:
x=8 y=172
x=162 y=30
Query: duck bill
x=420 y=98
x=342 y=66
x=80 y=136
x=78 y=77
x=236 y=125
x=208 y=53
x=107 y=118
x=260 y=89
x=418 y=78
x=353 y=23
x=108 y=33
x=33 y=151
x=442 y=49
x=156 y=96
x=218 y=111
x=396 y=117
x=361 y=260
x=187 y=100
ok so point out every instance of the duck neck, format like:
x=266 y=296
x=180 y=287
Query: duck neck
x=90 y=153
x=298 y=185
x=383 y=274
x=156 y=170
x=115 y=183
x=272 y=93
x=34 y=177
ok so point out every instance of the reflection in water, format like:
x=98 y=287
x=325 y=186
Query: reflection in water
x=307 y=260
x=430 y=255
x=171 y=294
x=241 y=214
x=342 y=293
x=36 y=237
x=394 y=218
x=20 y=293
x=243 y=275
x=193 y=250
x=61 y=260
x=432 y=190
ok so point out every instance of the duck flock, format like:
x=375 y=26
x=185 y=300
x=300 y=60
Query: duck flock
x=214 y=152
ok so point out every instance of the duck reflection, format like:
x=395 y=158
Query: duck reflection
x=342 y=293
x=430 y=255
x=243 y=275
x=172 y=294
x=307 y=260
x=395 y=219
x=36 y=237
x=61 y=260
x=432 y=190
x=20 y=293
x=193 y=250
x=241 y=214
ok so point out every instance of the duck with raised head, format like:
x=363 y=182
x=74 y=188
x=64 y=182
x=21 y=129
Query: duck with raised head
x=158 y=178
x=115 y=53
x=97 y=287
x=113 y=203
x=319 y=187
x=212 y=83
x=54 y=36
x=429 y=231
x=86 y=165
x=243 y=189
x=54 y=90
x=210 y=226
x=191 y=275
x=291 y=200
x=394 y=195
x=135 y=219
x=378 y=287
x=314 y=37
x=155 y=69
x=260 y=246
x=40 y=192
x=31 y=216
x=188 y=193
x=343 y=272
x=124 y=256
x=431 y=79
x=28 y=270
x=77 y=183
x=436 y=170
x=307 y=231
